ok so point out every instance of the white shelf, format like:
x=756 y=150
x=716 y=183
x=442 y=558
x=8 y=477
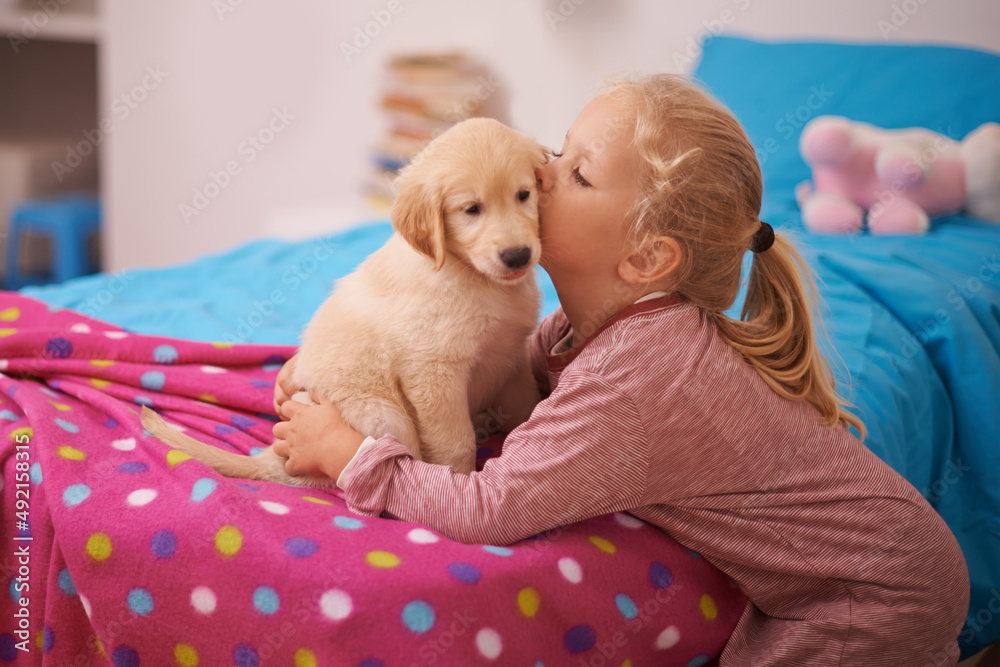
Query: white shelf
x=65 y=26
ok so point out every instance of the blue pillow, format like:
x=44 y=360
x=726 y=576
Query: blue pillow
x=774 y=89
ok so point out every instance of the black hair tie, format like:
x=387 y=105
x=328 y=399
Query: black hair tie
x=763 y=239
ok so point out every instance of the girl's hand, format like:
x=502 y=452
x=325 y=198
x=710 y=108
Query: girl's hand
x=315 y=439
x=283 y=387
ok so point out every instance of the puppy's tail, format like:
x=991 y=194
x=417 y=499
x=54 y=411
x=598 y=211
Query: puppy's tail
x=265 y=467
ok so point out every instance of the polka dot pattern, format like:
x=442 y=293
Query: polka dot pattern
x=708 y=608
x=125 y=656
x=570 y=570
x=99 y=546
x=305 y=658
x=336 y=605
x=163 y=543
x=602 y=544
x=140 y=601
x=668 y=638
x=301 y=547
x=347 y=523
x=467 y=573
x=134 y=513
x=421 y=536
x=498 y=551
x=185 y=655
x=124 y=445
x=579 y=638
x=71 y=453
x=528 y=600
x=153 y=380
x=203 y=600
x=202 y=489
x=660 y=575
x=65 y=581
x=246 y=656
x=382 y=559
x=229 y=540
x=75 y=494
x=175 y=457
x=489 y=643
x=626 y=606
x=141 y=497
x=274 y=508
x=418 y=616
x=265 y=600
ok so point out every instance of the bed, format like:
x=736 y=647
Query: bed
x=119 y=550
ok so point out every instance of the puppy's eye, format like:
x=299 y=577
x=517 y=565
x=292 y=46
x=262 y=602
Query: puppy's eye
x=523 y=195
x=473 y=210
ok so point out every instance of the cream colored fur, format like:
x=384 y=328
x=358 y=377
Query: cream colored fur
x=431 y=329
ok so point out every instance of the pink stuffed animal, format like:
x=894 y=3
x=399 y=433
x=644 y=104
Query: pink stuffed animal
x=900 y=177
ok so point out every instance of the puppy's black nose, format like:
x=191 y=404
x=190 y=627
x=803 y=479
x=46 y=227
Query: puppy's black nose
x=515 y=258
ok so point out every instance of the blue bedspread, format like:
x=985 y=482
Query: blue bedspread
x=261 y=292
x=915 y=320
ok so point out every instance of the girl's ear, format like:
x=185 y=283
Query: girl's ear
x=655 y=260
x=418 y=216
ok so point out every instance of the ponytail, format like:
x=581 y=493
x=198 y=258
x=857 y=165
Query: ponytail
x=776 y=333
x=702 y=186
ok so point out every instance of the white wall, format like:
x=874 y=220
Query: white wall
x=226 y=65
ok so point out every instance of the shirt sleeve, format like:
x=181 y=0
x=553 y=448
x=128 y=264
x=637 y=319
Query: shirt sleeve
x=539 y=344
x=582 y=453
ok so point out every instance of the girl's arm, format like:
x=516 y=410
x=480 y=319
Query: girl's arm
x=583 y=453
x=540 y=342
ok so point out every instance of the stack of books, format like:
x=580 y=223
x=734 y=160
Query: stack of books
x=422 y=96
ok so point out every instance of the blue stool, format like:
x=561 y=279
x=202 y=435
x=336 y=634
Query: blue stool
x=68 y=222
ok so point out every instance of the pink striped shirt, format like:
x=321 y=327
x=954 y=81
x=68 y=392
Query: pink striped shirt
x=843 y=561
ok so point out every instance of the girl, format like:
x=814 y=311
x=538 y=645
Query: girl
x=725 y=433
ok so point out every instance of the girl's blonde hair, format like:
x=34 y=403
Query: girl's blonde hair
x=702 y=185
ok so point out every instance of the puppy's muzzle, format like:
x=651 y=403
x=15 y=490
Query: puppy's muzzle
x=515 y=258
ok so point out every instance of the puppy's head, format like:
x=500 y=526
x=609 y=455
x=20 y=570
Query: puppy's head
x=472 y=193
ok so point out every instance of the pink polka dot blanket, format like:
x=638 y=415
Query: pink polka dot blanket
x=118 y=550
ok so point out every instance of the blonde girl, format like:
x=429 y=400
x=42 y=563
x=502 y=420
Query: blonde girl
x=726 y=433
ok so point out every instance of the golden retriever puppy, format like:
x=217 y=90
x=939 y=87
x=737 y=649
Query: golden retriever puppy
x=431 y=329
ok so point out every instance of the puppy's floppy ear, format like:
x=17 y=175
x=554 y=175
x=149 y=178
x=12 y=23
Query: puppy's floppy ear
x=418 y=215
